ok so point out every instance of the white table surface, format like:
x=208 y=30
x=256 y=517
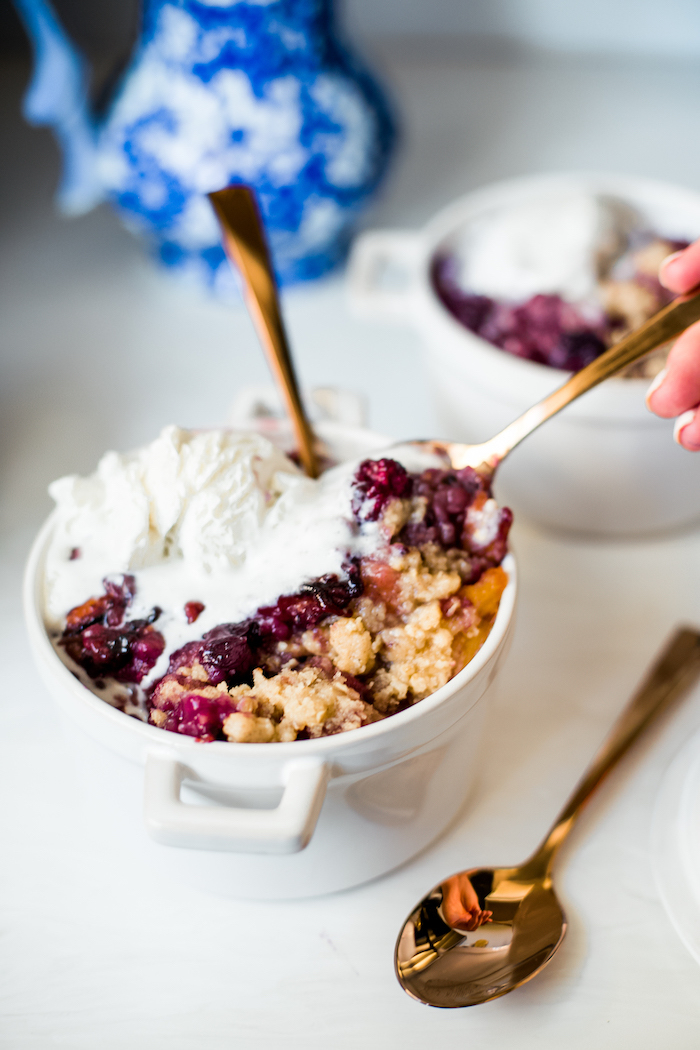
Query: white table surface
x=99 y=351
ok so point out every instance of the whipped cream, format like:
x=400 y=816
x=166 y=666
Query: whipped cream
x=558 y=245
x=219 y=517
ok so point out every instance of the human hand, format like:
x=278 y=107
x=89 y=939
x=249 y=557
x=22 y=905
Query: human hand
x=676 y=389
x=460 y=904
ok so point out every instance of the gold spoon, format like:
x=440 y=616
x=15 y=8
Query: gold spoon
x=662 y=327
x=516 y=922
x=245 y=245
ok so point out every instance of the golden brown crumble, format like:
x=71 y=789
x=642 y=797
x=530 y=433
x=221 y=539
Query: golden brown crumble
x=413 y=628
x=629 y=302
x=418 y=655
x=300 y=700
x=395 y=515
x=418 y=583
x=246 y=728
x=351 y=646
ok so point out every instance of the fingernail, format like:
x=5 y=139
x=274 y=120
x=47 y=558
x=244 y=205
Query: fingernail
x=681 y=423
x=655 y=384
x=665 y=263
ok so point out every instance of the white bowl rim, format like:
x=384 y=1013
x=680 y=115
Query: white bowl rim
x=301 y=748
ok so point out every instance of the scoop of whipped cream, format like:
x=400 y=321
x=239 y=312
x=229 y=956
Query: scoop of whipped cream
x=557 y=245
x=200 y=498
x=197 y=495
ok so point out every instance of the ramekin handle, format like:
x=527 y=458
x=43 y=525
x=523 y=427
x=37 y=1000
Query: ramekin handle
x=382 y=272
x=286 y=829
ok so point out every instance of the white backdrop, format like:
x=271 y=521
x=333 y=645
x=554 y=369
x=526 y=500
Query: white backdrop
x=654 y=27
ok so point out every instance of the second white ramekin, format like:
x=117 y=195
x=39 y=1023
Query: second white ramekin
x=606 y=465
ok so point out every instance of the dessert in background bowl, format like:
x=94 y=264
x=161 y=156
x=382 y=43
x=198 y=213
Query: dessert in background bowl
x=202 y=608
x=557 y=280
x=504 y=312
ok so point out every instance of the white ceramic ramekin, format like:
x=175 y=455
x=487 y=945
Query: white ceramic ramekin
x=294 y=819
x=606 y=465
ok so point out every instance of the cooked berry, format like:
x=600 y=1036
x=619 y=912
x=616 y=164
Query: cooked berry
x=146 y=646
x=186 y=656
x=127 y=653
x=199 y=716
x=376 y=482
x=226 y=653
x=575 y=350
x=193 y=611
x=93 y=610
x=328 y=596
x=546 y=328
x=97 y=637
x=448 y=495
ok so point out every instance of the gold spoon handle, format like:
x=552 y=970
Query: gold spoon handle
x=245 y=245
x=675 y=671
x=662 y=327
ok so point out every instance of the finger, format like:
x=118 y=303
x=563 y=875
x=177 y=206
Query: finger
x=680 y=272
x=452 y=907
x=469 y=897
x=677 y=387
x=473 y=922
x=687 y=430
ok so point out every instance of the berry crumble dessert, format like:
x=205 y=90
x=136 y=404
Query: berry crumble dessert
x=557 y=281
x=205 y=585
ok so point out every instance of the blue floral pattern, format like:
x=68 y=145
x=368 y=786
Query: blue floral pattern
x=254 y=91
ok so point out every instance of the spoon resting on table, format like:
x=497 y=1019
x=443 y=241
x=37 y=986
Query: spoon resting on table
x=485 y=931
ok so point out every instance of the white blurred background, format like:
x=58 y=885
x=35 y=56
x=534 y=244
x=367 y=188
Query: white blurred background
x=99 y=350
x=630 y=27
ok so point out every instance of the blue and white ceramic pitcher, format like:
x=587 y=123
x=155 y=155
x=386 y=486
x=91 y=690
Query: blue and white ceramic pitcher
x=217 y=92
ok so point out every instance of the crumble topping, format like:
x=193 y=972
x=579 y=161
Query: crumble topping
x=351 y=647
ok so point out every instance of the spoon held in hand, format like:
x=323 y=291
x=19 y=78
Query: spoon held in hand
x=659 y=329
x=485 y=931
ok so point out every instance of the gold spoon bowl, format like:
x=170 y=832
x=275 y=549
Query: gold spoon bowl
x=485 y=931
